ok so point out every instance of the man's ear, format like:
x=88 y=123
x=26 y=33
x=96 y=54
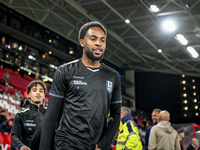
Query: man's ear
x=82 y=42
x=28 y=95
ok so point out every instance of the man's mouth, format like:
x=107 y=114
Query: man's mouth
x=38 y=96
x=98 y=51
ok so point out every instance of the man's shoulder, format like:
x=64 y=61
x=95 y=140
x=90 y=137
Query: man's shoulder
x=71 y=63
x=26 y=110
x=149 y=128
x=110 y=69
x=66 y=67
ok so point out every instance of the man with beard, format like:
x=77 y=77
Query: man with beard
x=85 y=90
x=26 y=129
x=154 y=117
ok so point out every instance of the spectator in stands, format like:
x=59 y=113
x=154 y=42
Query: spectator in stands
x=25 y=133
x=163 y=136
x=5 y=127
x=1 y=91
x=2 y=116
x=25 y=103
x=194 y=145
x=6 y=78
x=18 y=95
x=181 y=135
x=128 y=137
x=136 y=119
x=144 y=122
x=154 y=117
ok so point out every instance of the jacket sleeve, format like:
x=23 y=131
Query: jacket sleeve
x=3 y=127
x=106 y=140
x=177 y=143
x=16 y=132
x=152 y=139
x=51 y=120
x=133 y=140
x=147 y=138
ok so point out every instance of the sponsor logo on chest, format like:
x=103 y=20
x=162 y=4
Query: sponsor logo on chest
x=77 y=81
x=29 y=123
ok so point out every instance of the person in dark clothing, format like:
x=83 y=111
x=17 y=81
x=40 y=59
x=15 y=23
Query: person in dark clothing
x=85 y=90
x=154 y=117
x=194 y=145
x=25 y=103
x=181 y=135
x=2 y=116
x=26 y=129
x=1 y=91
x=5 y=127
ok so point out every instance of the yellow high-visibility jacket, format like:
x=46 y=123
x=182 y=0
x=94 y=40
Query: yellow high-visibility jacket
x=128 y=137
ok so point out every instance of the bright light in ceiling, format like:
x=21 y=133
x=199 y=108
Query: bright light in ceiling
x=154 y=8
x=127 y=21
x=192 y=51
x=182 y=39
x=169 y=25
x=159 y=50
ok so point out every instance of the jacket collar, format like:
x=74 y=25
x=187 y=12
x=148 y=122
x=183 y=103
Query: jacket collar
x=35 y=107
x=126 y=118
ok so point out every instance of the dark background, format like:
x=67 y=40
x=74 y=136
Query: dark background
x=164 y=91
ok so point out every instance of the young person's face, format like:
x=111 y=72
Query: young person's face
x=94 y=43
x=10 y=123
x=36 y=95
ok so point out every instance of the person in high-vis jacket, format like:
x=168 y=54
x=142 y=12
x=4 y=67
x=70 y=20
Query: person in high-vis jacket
x=128 y=137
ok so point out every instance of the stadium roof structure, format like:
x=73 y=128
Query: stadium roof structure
x=136 y=39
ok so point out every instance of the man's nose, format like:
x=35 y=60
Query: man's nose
x=98 y=42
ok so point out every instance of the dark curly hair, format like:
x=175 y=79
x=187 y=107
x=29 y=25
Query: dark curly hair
x=83 y=30
x=34 y=83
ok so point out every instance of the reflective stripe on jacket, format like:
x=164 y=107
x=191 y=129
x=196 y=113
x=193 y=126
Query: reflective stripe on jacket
x=128 y=137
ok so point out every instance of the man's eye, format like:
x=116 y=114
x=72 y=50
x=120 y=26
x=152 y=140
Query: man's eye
x=92 y=39
x=102 y=40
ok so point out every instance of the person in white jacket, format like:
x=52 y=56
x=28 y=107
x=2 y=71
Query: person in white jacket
x=163 y=136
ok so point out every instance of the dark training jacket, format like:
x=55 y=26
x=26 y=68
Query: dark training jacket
x=4 y=127
x=27 y=126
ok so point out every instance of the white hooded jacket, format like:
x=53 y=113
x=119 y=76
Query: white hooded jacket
x=163 y=137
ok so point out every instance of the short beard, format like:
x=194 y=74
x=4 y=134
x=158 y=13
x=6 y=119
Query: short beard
x=92 y=57
x=36 y=102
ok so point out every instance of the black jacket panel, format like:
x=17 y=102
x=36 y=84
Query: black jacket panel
x=27 y=126
x=4 y=127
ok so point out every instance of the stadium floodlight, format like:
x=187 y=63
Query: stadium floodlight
x=192 y=52
x=127 y=21
x=154 y=8
x=185 y=101
x=53 y=66
x=169 y=25
x=31 y=57
x=159 y=50
x=181 y=39
x=20 y=48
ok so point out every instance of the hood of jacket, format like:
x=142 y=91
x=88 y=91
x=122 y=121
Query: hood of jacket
x=165 y=126
x=126 y=118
